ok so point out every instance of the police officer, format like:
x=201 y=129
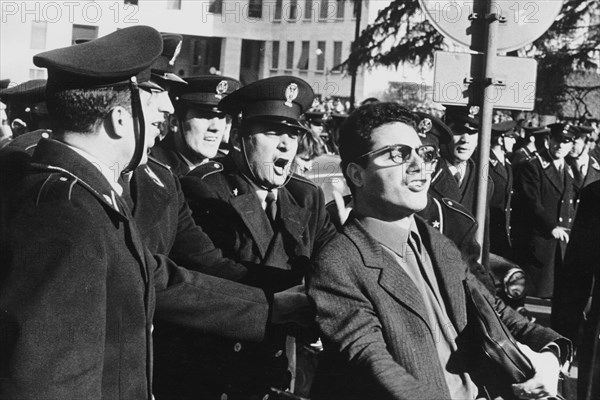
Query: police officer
x=255 y=210
x=502 y=139
x=78 y=287
x=26 y=107
x=533 y=142
x=201 y=126
x=585 y=167
x=545 y=186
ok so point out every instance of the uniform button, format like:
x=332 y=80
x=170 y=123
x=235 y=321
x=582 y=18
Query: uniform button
x=265 y=397
x=45 y=135
x=237 y=347
x=279 y=353
x=151 y=328
x=62 y=178
x=216 y=165
x=570 y=219
x=449 y=203
x=560 y=219
x=224 y=396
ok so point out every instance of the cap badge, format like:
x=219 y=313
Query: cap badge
x=221 y=89
x=424 y=126
x=291 y=92
x=473 y=111
x=175 y=54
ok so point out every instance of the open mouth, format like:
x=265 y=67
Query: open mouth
x=280 y=166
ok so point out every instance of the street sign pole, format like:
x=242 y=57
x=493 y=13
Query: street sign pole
x=492 y=21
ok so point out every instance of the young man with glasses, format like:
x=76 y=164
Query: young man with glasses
x=389 y=289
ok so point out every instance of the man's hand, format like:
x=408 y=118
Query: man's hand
x=292 y=306
x=560 y=233
x=545 y=381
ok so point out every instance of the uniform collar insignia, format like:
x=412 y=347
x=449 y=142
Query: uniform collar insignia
x=235 y=192
x=153 y=176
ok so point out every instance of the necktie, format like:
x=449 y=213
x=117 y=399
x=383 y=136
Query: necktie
x=271 y=208
x=578 y=173
x=457 y=177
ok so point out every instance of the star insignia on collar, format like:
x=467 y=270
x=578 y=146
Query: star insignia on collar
x=235 y=192
x=436 y=224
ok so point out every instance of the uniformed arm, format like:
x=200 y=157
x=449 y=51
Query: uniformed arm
x=53 y=304
x=194 y=249
x=213 y=305
x=326 y=229
x=528 y=185
x=582 y=256
x=348 y=321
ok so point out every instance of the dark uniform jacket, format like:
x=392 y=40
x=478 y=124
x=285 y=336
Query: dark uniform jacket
x=581 y=269
x=78 y=289
x=227 y=208
x=379 y=343
x=592 y=174
x=546 y=200
x=501 y=207
x=165 y=152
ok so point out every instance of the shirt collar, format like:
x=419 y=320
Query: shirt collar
x=393 y=235
x=262 y=193
x=104 y=169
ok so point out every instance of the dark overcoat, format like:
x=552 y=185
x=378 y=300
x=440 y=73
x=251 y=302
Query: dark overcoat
x=546 y=200
x=227 y=208
x=374 y=323
x=78 y=289
x=501 y=207
x=580 y=270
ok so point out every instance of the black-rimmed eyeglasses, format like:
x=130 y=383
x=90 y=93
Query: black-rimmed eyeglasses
x=401 y=153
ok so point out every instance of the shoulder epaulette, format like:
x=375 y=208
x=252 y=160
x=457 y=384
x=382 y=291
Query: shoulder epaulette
x=208 y=168
x=57 y=186
x=302 y=179
x=456 y=206
x=155 y=161
x=544 y=163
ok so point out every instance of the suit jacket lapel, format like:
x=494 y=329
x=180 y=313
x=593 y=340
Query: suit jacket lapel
x=393 y=279
x=246 y=203
x=450 y=273
x=293 y=217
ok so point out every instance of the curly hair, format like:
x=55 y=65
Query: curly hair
x=355 y=132
x=82 y=110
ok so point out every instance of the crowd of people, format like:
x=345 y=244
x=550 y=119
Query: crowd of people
x=159 y=240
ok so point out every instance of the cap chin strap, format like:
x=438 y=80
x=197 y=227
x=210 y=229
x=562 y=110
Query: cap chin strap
x=255 y=179
x=139 y=126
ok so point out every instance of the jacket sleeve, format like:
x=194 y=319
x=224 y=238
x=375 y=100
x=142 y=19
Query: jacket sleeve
x=528 y=185
x=53 y=304
x=581 y=258
x=213 y=305
x=349 y=322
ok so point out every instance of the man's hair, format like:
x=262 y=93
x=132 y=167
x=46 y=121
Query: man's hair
x=355 y=131
x=82 y=110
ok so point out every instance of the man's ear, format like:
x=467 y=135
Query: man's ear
x=118 y=122
x=355 y=173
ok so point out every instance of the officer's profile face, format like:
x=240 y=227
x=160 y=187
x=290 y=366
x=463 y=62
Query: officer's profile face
x=203 y=131
x=316 y=128
x=509 y=143
x=462 y=146
x=270 y=150
x=559 y=147
x=156 y=106
x=578 y=147
x=387 y=186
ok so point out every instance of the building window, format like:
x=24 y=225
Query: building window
x=308 y=9
x=275 y=56
x=337 y=57
x=206 y=55
x=38 y=34
x=293 y=14
x=173 y=4
x=278 y=6
x=216 y=7
x=320 y=56
x=303 y=61
x=339 y=13
x=255 y=8
x=289 y=62
x=85 y=32
x=132 y=2
x=324 y=11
